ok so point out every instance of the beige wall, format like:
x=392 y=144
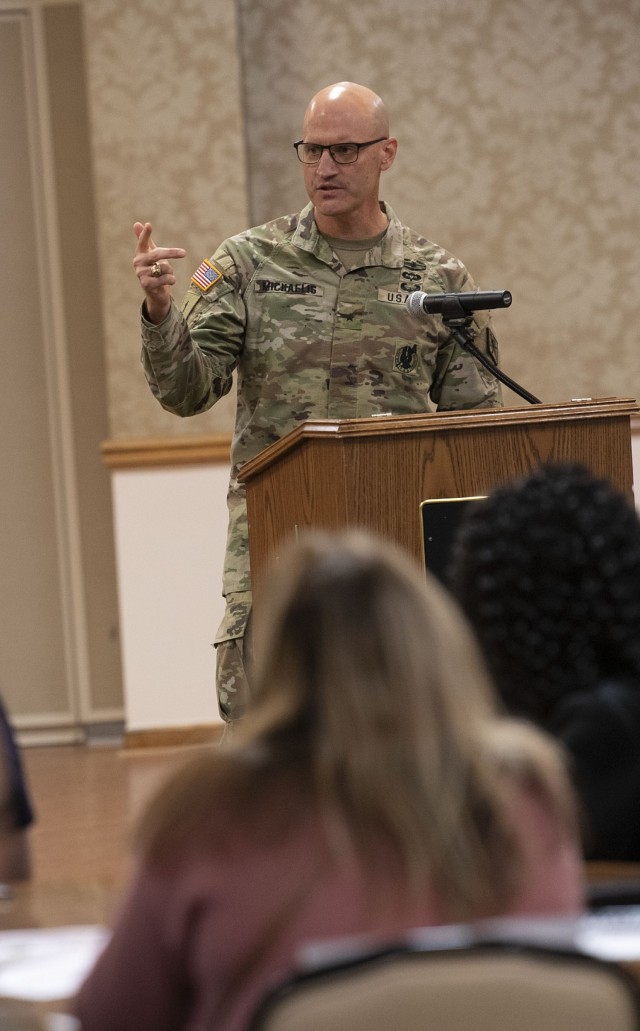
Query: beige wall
x=85 y=342
x=520 y=149
x=60 y=658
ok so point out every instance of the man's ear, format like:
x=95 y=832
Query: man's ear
x=388 y=153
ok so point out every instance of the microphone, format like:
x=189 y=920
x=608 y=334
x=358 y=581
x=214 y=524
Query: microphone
x=422 y=304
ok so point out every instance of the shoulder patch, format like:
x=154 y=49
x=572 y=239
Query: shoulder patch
x=206 y=275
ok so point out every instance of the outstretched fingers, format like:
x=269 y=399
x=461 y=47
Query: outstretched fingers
x=152 y=263
x=154 y=270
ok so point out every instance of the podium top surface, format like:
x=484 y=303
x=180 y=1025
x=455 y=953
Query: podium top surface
x=338 y=430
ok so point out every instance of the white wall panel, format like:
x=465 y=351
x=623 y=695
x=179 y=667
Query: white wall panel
x=170 y=527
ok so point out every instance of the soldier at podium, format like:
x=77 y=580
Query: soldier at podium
x=310 y=311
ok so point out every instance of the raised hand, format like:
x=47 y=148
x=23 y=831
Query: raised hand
x=154 y=271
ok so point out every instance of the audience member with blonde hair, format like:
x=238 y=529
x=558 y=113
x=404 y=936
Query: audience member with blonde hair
x=371 y=788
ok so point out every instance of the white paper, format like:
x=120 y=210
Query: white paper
x=46 y=964
x=611 y=933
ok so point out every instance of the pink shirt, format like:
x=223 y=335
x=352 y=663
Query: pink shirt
x=197 y=946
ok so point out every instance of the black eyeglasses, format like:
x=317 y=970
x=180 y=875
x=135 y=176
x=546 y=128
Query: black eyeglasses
x=342 y=153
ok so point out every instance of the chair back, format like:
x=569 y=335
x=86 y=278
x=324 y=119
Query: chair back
x=482 y=987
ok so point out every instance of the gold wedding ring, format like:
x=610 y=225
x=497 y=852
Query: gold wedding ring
x=155 y=270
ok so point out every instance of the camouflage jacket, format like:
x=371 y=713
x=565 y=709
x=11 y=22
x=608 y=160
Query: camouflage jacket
x=310 y=339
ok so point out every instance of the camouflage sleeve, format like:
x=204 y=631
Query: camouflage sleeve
x=189 y=358
x=460 y=380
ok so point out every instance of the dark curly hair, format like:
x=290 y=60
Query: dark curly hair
x=547 y=569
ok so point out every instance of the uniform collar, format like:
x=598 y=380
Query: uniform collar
x=389 y=252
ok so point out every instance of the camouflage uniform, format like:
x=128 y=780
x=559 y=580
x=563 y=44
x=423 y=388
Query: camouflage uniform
x=309 y=339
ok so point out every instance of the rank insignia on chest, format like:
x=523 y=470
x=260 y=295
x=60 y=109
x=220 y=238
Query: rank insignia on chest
x=206 y=275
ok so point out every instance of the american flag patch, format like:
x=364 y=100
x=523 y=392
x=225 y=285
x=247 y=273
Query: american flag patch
x=206 y=275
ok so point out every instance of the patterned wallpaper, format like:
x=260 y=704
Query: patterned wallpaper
x=168 y=145
x=519 y=130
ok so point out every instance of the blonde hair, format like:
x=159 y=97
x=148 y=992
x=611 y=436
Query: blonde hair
x=368 y=679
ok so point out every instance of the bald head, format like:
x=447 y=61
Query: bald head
x=345 y=195
x=356 y=107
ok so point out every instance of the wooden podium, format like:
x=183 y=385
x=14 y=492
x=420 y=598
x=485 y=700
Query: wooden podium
x=375 y=472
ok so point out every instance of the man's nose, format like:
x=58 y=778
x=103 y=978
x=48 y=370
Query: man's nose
x=326 y=164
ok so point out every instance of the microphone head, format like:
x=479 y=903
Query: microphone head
x=414 y=306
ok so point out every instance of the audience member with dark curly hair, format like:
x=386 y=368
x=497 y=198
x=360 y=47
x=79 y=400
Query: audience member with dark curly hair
x=547 y=568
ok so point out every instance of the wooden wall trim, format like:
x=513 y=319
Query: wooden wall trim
x=170 y=737
x=167 y=451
